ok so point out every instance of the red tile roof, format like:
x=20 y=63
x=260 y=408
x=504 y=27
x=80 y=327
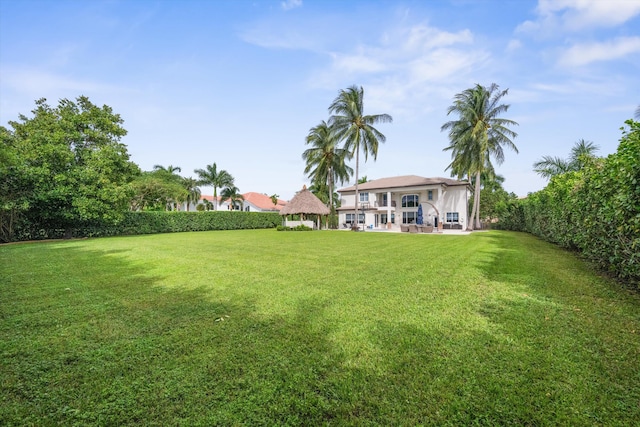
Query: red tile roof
x=263 y=201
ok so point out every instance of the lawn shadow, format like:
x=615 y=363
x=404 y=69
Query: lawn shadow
x=119 y=347
x=96 y=339
x=560 y=318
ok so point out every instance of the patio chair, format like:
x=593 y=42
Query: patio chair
x=413 y=228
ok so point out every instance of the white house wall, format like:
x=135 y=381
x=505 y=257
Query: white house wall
x=444 y=199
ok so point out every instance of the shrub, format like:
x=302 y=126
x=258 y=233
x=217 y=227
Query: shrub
x=595 y=211
x=300 y=227
x=156 y=222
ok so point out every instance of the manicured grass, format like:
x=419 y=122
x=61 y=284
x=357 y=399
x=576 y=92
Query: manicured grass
x=316 y=328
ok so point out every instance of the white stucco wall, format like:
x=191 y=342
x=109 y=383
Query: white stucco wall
x=444 y=199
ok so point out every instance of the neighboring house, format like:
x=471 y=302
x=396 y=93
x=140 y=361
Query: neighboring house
x=253 y=202
x=258 y=202
x=389 y=202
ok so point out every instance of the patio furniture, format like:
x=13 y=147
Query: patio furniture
x=425 y=228
x=404 y=228
x=413 y=228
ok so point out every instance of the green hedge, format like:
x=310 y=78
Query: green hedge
x=595 y=211
x=156 y=222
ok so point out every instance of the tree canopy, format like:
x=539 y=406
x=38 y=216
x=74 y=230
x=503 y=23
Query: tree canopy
x=355 y=129
x=210 y=175
x=325 y=161
x=477 y=136
x=64 y=165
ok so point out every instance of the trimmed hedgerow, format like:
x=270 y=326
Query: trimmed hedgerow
x=157 y=222
x=595 y=211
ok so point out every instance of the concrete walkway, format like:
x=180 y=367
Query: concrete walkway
x=397 y=231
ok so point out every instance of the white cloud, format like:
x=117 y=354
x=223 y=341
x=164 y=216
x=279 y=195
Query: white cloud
x=407 y=64
x=579 y=14
x=574 y=15
x=291 y=4
x=586 y=53
x=514 y=45
x=34 y=83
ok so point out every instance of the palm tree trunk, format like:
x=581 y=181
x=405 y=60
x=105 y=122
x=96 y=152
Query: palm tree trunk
x=215 y=198
x=330 y=196
x=330 y=191
x=357 y=197
x=477 y=202
x=476 y=197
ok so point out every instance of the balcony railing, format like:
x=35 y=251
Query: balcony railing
x=382 y=204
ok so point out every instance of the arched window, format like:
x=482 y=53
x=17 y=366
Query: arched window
x=410 y=201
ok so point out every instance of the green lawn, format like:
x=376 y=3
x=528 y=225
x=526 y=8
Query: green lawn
x=294 y=328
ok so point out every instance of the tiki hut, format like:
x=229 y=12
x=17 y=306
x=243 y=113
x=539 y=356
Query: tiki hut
x=304 y=203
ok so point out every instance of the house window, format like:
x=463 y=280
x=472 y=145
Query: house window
x=350 y=217
x=383 y=218
x=410 y=201
x=246 y=209
x=452 y=216
x=364 y=197
x=383 y=197
x=409 y=217
x=430 y=195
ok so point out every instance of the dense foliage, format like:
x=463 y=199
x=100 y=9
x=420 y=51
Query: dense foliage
x=149 y=222
x=158 y=190
x=595 y=210
x=63 y=167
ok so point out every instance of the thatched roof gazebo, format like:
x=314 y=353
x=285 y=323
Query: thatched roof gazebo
x=304 y=203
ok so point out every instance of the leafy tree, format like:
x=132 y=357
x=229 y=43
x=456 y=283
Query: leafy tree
x=478 y=135
x=274 y=199
x=325 y=162
x=355 y=128
x=193 y=191
x=363 y=180
x=217 y=179
x=169 y=174
x=232 y=194
x=582 y=153
x=157 y=190
x=15 y=187
x=495 y=198
x=71 y=166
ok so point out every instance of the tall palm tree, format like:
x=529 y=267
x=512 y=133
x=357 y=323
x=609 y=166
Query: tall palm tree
x=478 y=135
x=217 y=179
x=355 y=128
x=193 y=191
x=581 y=153
x=232 y=194
x=326 y=163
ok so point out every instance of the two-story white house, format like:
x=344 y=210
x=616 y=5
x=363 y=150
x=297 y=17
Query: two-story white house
x=389 y=202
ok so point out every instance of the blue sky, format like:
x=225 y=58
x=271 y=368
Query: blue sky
x=240 y=83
